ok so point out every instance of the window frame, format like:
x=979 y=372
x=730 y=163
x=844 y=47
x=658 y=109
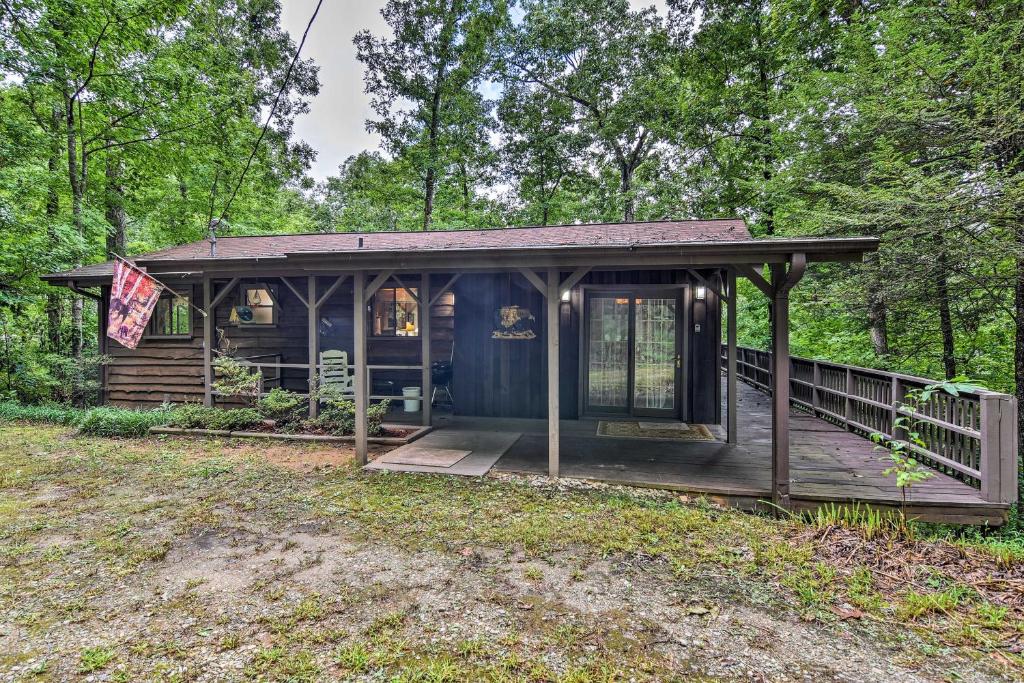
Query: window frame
x=274 y=300
x=185 y=291
x=396 y=336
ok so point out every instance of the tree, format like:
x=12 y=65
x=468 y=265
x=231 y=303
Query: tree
x=610 y=64
x=137 y=124
x=541 y=151
x=422 y=82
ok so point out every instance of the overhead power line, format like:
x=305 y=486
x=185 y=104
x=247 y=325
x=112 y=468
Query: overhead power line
x=270 y=117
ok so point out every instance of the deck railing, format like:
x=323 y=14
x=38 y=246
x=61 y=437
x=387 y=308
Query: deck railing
x=971 y=437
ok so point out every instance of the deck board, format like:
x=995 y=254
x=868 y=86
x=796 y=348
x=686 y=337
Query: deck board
x=827 y=463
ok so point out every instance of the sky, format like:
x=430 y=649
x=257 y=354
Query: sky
x=336 y=123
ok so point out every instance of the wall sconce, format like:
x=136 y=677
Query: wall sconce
x=565 y=307
x=700 y=292
x=566 y=295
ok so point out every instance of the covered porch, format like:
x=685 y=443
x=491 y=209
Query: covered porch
x=828 y=464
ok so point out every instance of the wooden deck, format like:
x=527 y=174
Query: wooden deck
x=828 y=464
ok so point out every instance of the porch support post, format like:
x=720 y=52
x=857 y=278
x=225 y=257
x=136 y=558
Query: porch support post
x=782 y=282
x=425 y=388
x=552 y=332
x=207 y=342
x=313 y=311
x=730 y=381
x=359 y=349
x=780 y=389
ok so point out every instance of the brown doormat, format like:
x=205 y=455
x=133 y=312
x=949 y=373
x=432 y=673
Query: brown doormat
x=652 y=430
x=411 y=454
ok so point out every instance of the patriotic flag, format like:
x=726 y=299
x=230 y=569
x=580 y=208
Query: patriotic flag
x=133 y=297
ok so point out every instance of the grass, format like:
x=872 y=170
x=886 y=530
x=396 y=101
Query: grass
x=95 y=658
x=79 y=516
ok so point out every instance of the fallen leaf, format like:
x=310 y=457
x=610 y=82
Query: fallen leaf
x=697 y=609
x=466 y=552
x=846 y=613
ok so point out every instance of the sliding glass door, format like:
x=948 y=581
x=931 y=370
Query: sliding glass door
x=632 y=353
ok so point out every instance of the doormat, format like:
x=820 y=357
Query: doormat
x=653 y=430
x=411 y=454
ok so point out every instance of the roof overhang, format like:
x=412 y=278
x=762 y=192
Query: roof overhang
x=619 y=257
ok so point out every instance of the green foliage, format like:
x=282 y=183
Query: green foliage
x=337 y=417
x=197 y=416
x=11 y=411
x=123 y=126
x=236 y=379
x=121 y=422
x=283 y=406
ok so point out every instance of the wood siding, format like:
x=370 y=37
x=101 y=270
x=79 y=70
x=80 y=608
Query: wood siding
x=171 y=370
x=493 y=378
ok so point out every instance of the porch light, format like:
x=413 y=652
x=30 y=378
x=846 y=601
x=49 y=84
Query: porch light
x=700 y=292
x=565 y=296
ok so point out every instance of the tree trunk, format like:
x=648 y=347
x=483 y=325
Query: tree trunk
x=1018 y=352
x=430 y=181
x=53 y=299
x=465 y=190
x=628 y=208
x=114 y=200
x=945 y=317
x=76 y=216
x=878 y=314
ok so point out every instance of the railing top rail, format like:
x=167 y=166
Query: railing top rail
x=882 y=373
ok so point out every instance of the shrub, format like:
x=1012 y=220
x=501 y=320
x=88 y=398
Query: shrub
x=48 y=412
x=195 y=416
x=236 y=379
x=338 y=418
x=120 y=421
x=283 y=406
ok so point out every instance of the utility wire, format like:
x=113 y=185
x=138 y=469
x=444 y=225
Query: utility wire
x=270 y=117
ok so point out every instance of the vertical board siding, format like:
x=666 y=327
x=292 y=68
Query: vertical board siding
x=493 y=378
x=497 y=377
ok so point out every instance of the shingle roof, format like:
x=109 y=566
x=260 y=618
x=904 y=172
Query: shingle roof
x=652 y=233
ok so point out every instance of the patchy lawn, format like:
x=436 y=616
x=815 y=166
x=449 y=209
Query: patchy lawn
x=180 y=559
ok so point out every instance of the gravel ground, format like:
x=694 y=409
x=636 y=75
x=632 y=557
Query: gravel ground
x=126 y=577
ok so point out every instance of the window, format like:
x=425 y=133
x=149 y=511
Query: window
x=172 y=316
x=395 y=313
x=258 y=307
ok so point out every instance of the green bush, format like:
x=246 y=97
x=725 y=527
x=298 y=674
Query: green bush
x=121 y=422
x=338 y=418
x=47 y=412
x=195 y=416
x=283 y=406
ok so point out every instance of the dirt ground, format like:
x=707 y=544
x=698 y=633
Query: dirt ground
x=199 y=561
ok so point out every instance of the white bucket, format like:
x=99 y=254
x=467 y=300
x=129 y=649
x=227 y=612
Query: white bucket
x=412 y=399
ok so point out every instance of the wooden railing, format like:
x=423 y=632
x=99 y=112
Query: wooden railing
x=267 y=378
x=971 y=437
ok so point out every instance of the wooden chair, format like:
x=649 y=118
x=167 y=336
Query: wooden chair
x=335 y=372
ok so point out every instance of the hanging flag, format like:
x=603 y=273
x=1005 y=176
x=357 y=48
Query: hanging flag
x=133 y=297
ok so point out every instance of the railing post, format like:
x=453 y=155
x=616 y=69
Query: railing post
x=815 y=383
x=998 y=448
x=848 y=406
x=896 y=400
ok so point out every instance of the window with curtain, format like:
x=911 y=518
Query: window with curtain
x=395 y=313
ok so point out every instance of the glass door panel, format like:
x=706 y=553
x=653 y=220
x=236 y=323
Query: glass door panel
x=654 y=354
x=608 y=359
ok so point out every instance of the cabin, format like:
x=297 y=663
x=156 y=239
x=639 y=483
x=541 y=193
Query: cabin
x=602 y=351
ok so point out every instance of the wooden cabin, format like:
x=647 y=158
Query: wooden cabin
x=638 y=309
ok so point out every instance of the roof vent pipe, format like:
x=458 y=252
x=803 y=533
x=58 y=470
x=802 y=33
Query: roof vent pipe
x=214 y=224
